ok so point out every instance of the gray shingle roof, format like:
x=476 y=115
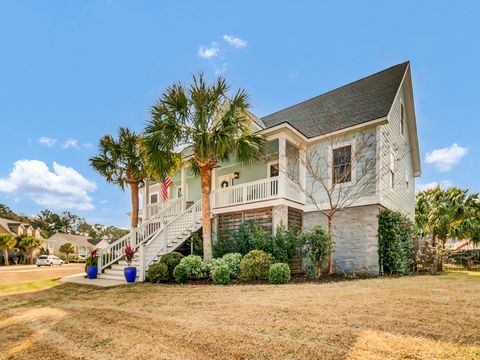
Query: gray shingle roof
x=364 y=100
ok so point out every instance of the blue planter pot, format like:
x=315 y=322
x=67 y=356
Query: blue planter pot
x=92 y=272
x=130 y=274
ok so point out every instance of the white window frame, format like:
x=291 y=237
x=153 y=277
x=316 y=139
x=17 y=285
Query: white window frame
x=333 y=147
x=391 y=173
x=402 y=119
x=270 y=163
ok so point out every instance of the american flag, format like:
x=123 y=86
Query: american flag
x=166 y=182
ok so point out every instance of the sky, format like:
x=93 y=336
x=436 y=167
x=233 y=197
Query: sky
x=72 y=71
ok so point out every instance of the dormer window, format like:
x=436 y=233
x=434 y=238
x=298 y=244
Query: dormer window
x=402 y=119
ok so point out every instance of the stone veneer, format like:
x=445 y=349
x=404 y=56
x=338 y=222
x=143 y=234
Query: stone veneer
x=355 y=237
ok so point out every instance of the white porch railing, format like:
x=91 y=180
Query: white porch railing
x=176 y=231
x=115 y=251
x=264 y=189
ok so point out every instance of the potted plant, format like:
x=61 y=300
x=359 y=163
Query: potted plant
x=91 y=264
x=130 y=271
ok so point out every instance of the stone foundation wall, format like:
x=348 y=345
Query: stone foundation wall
x=355 y=237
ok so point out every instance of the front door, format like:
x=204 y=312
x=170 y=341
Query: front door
x=225 y=181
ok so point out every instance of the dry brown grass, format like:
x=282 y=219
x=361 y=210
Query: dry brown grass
x=423 y=317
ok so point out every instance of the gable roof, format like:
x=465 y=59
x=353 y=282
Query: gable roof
x=364 y=100
x=8 y=226
x=78 y=240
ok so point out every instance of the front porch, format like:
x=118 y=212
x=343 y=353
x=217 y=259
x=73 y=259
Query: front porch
x=276 y=180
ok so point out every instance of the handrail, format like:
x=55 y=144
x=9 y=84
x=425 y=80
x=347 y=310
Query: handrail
x=114 y=251
x=158 y=243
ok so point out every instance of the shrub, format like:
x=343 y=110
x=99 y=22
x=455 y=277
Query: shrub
x=180 y=273
x=192 y=267
x=171 y=260
x=255 y=265
x=220 y=274
x=317 y=248
x=279 y=273
x=157 y=273
x=232 y=260
x=396 y=248
x=284 y=244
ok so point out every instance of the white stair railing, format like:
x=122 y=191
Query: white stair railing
x=171 y=236
x=115 y=251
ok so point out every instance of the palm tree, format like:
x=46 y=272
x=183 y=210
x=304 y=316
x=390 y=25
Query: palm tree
x=120 y=162
x=29 y=243
x=67 y=249
x=7 y=242
x=213 y=125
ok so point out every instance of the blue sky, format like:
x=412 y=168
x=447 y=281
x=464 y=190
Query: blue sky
x=71 y=71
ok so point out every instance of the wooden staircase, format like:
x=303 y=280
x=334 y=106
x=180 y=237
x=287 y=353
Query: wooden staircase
x=161 y=234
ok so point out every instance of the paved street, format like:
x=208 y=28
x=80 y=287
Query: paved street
x=17 y=274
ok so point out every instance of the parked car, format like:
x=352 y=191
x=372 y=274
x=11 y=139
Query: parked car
x=49 y=260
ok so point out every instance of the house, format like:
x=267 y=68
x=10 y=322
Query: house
x=16 y=228
x=81 y=243
x=328 y=130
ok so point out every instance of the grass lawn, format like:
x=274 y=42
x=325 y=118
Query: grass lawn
x=422 y=317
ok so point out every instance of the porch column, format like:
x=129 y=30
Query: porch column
x=213 y=189
x=183 y=186
x=282 y=166
x=302 y=171
x=145 y=195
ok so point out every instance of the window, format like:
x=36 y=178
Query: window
x=342 y=164
x=153 y=199
x=402 y=119
x=273 y=170
x=179 y=192
x=392 y=171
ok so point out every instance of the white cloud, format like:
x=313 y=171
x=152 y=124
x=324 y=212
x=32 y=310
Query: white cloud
x=62 y=188
x=446 y=158
x=235 y=41
x=70 y=143
x=443 y=184
x=47 y=141
x=208 y=52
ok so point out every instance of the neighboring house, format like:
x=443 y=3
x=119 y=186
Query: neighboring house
x=81 y=243
x=16 y=228
x=380 y=106
x=453 y=244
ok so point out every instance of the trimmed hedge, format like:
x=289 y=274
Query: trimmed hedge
x=190 y=267
x=171 y=260
x=279 y=273
x=220 y=274
x=157 y=273
x=396 y=248
x=232 y=260
x=255 y=265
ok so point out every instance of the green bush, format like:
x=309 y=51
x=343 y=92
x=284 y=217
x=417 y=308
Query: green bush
x=220 y=274
x=252 y=236
x=279 y=273
x=180 y=273
x=396 y=247
x=255 y=265
x=317 y=248
x=192 y=267
x=74 y=259
x=171 y=260
x=232 y=260
x=157 y=273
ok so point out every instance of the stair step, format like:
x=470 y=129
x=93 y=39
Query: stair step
x=112 y=277
x=124 y=263
x=118 y=272
x=121 y=267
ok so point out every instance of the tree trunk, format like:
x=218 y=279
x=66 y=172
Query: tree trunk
x=5 y=255
x=206 y=184
x=330 y=242
x=30 y=253
x=134 y=191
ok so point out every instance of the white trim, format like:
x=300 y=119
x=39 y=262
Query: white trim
x=257 y=205
x=362 y=201
x=352 y=143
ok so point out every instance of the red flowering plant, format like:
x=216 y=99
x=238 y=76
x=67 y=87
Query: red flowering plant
x=129 y=252
x=92 y=259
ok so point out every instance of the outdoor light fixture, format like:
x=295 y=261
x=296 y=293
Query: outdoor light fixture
x=236 y=175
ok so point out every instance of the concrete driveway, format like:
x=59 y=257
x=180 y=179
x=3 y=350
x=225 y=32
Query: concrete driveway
x=17 y=274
